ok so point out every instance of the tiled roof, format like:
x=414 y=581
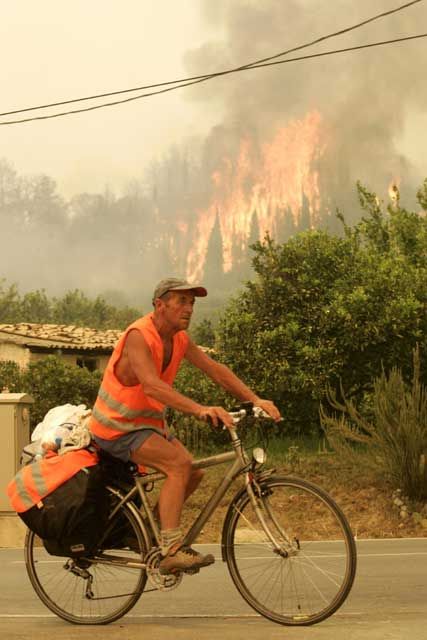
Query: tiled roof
x=59 y=336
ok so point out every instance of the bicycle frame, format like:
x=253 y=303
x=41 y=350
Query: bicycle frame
x=241 y=463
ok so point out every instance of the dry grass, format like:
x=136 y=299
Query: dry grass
x=364 y=498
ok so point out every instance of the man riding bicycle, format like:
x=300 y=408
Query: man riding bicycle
x=128 y=417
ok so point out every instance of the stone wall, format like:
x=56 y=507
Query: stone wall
x=18 y=353
x=22 y=356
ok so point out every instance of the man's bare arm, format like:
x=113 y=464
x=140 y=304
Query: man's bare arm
x=143 y=367
x=223 y=376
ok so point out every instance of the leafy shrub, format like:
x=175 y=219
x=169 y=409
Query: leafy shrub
x=10 y=376
x=325 y=309
x=198 y=436
x=395 y=440
x=51 y=382
x=204 y=334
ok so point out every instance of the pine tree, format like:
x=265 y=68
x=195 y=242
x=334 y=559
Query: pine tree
x=214 y=270
x=305 y=219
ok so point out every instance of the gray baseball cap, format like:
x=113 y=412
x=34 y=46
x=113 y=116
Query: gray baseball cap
x=175 y=284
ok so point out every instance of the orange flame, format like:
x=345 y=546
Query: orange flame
x=269 y=182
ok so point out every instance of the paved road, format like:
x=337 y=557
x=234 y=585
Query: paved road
x=388 y=602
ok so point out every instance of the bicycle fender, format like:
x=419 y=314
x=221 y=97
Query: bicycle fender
x=238 y=497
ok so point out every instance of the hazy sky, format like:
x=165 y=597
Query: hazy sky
x=54 y=50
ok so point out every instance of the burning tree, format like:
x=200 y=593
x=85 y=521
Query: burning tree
x=326 y=310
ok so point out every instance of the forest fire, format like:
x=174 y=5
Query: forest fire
x=265 y=188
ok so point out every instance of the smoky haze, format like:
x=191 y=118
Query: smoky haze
x=366 y=99
x=119 y=244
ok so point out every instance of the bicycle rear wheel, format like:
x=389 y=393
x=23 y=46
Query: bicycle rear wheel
x=84 y=591
x=310 y=576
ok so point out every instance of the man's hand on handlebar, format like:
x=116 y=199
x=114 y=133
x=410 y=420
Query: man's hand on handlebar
x=220 y=417
x=217 y=416
x=269 y=407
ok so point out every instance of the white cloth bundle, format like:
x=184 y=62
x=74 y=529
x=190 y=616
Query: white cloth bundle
x=64 y=428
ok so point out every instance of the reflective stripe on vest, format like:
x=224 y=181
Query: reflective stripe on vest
x=21 y=490
x=121 y=409
x=120 y=426
x=38 y=479
x=124 y=411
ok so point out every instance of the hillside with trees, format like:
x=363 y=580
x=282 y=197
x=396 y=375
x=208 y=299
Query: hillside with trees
x=74 y=307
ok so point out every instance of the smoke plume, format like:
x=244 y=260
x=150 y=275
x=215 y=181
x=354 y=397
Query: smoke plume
x=289 y=144
x=364 y=98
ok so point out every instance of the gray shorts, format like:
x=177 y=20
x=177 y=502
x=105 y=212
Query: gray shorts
x=125 y=445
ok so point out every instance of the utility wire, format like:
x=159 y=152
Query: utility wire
x=194 y=79
x=204 y=78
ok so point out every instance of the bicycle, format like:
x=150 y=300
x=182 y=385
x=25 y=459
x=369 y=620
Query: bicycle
x=288 y=546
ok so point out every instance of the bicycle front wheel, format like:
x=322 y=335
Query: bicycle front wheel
x=87 y=591
x=298 y=568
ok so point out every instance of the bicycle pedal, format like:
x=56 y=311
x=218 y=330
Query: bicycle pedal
x=169 y=572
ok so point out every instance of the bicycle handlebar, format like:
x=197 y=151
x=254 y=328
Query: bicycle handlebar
x=247 y=409
x=257 y=412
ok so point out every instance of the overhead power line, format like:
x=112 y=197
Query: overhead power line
x=185 y=82
x=265 y=64
x=219 y=73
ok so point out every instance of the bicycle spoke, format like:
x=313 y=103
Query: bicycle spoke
x=328 y=574
x=311 y=575
x=91 y=592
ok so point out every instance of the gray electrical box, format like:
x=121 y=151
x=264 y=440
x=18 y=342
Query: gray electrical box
x=14 y=435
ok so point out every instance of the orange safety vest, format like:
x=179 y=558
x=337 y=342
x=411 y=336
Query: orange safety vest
x=38 y=479
x=120 y=409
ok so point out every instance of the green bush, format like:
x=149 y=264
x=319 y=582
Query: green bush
x=198 y=436
x=394 y=441
x=10 y=376
x=325 y=309
x=51 y=382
